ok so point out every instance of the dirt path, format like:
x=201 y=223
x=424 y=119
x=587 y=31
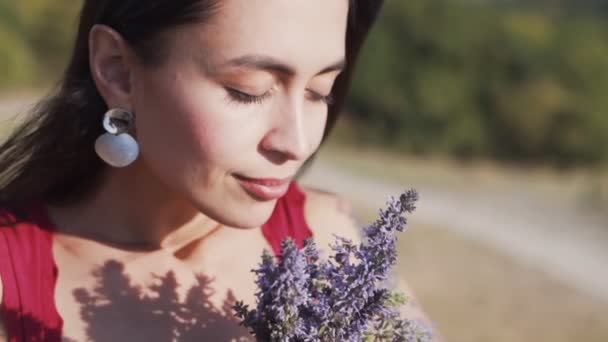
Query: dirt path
x=570 y=246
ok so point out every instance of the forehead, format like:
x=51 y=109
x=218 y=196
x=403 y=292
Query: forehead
x=305 y=33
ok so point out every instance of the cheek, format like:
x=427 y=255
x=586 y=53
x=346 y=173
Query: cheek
x=190 y=125
x=226 y=135
x=316 y=125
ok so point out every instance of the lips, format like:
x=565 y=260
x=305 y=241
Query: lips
x=264 y=189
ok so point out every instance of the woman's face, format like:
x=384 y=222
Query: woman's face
x=243 y=94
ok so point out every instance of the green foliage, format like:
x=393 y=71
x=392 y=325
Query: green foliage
x=475 y=80
x=35 y=39
x=16 y=61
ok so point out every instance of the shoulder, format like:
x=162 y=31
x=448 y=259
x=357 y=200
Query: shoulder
x=328 y=213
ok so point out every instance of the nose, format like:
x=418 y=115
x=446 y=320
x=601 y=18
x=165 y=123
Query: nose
x=287 y=137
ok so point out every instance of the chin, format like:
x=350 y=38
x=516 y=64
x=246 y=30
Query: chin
x=252 y=216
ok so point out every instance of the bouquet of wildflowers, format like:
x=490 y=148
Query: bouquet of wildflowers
x=304 y=298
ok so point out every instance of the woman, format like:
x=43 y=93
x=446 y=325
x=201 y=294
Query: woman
x=141 y=193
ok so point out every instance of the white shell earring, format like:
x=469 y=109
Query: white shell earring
x=117 y=147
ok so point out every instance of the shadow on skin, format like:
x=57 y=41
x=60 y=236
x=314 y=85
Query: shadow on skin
x=116 y=310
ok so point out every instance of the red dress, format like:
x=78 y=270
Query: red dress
x=29 y=273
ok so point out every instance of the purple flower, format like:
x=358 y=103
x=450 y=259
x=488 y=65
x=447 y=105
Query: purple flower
x=304 y=298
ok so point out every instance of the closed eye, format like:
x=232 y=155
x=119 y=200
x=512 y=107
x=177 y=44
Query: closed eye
x=316 y=97
x=235 y=95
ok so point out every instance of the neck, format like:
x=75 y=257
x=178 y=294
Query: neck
x=133 y=210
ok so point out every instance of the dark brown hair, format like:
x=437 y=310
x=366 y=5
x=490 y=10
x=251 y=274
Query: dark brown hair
x=49 y=157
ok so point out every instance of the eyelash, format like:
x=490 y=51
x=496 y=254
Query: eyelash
x=328 y=100
x=241 y=97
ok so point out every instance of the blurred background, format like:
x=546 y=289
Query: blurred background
x=494 y=110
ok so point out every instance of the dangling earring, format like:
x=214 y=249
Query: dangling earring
x=116 y=147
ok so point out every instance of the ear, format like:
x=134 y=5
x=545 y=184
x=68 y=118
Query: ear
x=112 y=66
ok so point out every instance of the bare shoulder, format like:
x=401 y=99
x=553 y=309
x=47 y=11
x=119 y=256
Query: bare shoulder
x=328 y=213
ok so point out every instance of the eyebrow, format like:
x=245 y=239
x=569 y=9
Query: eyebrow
x=268 y=63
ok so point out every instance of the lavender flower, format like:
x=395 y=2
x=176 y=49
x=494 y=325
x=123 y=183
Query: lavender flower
x=304 y=298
